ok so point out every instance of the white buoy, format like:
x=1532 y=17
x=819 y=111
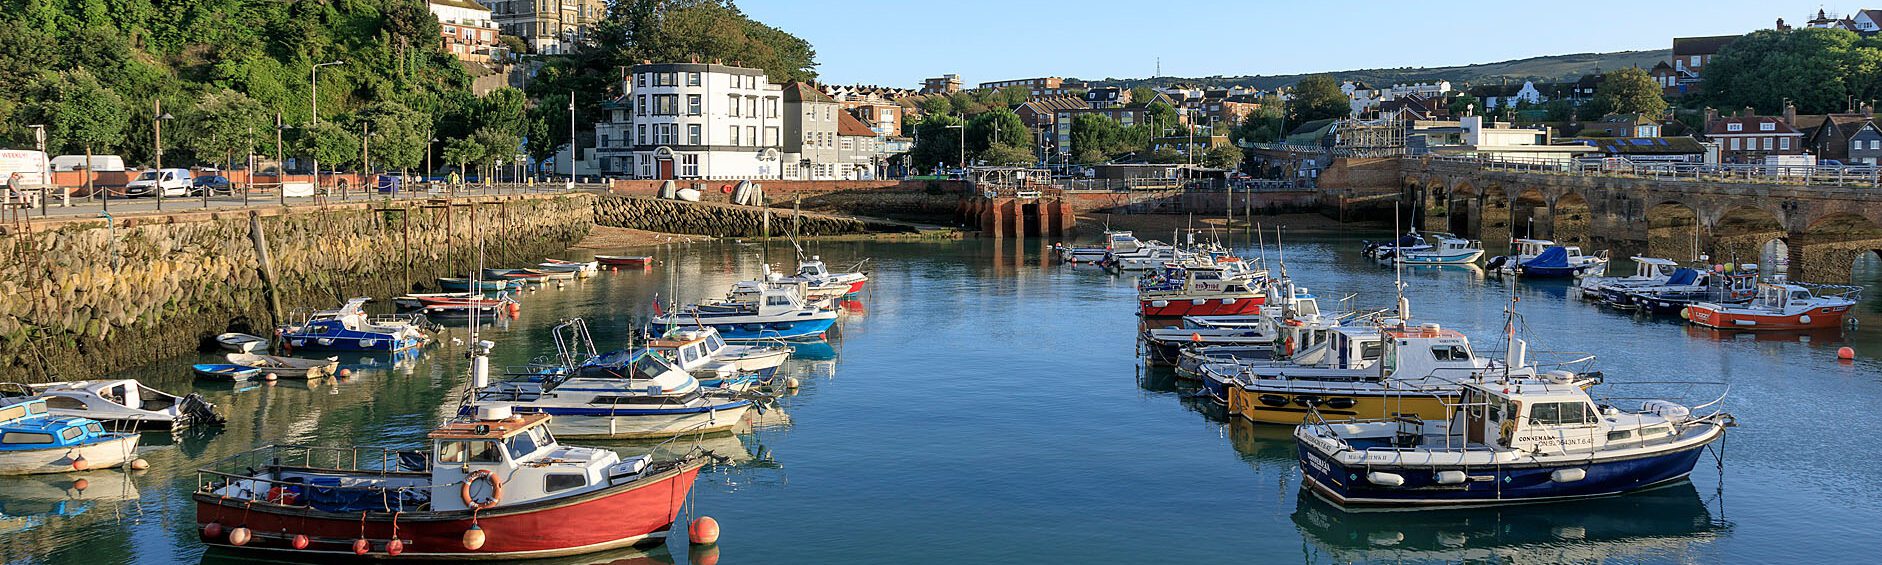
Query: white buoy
x=480 y=365
x=790 y=383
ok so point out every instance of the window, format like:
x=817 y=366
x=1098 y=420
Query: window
x=1558 y=413
x=692 y=79
x=520 y=446
x=65 y=403
x=771 y=136
x=692 y=104
x=1695 y=60
x=731 y=107
x=771 y=107
x=689 y=165
x=16 y=438
x=640 y=108
x=560 y=481
x=640 y=79
x=848 y=144
x=603 y=140
x=751 y=106
x=1451 y=353
x=72 y=433
x=1784 y=144
x=734 y=135
x=642 y=132
x=692 y=134
x=1767 y=144
x=1734 y=126
x=1875 y=144
x=751 y=135
x=1735 y=144
x=1767 y=126
x=1620 y=435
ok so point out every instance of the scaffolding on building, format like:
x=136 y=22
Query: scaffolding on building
x=1383 y=137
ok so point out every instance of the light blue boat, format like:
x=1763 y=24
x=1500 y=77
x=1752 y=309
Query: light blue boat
x=775 y=314
x=33 y=442
x=1449 y=250
x=225 y=372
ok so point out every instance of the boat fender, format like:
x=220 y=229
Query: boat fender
x=1450 y=477
x=1568 y=475
x=1508 y=431
x=1228 y=301
x=1307 y=400
x=1340 y=403
x=496 y=490
x=1745 y=322
x=1273 y=400
x=1385 y=479
x=1804 y=319
x=1158 y=303
x=1199 y=301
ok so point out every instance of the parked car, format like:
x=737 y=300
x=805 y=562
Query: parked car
x=215 y=184
x=173 y=182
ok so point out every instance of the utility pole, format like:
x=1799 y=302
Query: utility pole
x=571 y=183
x=365 y=154
x=156 y=126
x=280 y=162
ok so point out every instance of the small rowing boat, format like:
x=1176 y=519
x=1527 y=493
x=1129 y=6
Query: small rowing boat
x=464 y=284
x=287 y=367
x=242 y=342
x=625 y=260
x=225 y=371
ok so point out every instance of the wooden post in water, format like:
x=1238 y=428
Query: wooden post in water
x=405 y=219
x=797 y=205
x=266 y=263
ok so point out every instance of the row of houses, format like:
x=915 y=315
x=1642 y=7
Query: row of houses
x=714 y=121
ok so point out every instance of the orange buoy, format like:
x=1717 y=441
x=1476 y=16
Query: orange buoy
x=80 y=463
x=139 y=464
x=346 y=372
x=212 y=530
x=704 y=555
x=703 y=530
x=270 y=377
x=395 y=547
x=81 y=484
x=361 y=546
x=300 y=541
x=239 y=536
x=474 y=538
x=1846 y=353
x=1196 y=337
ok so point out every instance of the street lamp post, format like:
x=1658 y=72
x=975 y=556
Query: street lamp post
x=428 y=169
x=314 y=100
x=280 y=161
x=963 y=146
x=156 y=125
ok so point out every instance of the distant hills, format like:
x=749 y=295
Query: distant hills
x=1543 y=69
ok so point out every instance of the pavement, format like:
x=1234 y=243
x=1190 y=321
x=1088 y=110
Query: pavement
x=143 y=206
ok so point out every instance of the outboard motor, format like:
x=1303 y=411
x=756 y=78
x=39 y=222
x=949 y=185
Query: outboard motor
x=199 y=412
x=1497 y=262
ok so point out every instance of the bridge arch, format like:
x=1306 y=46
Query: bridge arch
x=1569 y=218
x=1529 y=214
x=1745 y=233
x=1828 y=249
x=1674 y=231
x=1493 y=217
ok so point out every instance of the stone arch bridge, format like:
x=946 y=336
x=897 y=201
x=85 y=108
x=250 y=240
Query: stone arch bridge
x=1820 y=230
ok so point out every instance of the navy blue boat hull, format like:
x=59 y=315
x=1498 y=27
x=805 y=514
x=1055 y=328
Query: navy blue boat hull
x=1511 y=484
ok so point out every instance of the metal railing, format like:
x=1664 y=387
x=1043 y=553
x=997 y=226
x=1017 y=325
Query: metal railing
x=1797 y=175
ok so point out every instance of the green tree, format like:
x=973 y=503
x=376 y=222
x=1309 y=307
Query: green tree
x=1223 y=157
x=1263 y=125
x=1007 y=155
x=1095 y=135
x=499 y=147
x=1165 y=156
x=936 y=142
x=332 y=144
x=1162 y=117
x=1141 y=95
x=997 y=127
x=224 y=123
x=935 y=105
x=84 y=113
x=1465 y=103
x=463 y=151
x=1629 y=91
x=400 y=135
x=1317 y=97
x=1817 y=69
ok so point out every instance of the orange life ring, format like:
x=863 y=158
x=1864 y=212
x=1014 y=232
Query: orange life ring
x=496 y=489
x=725 y=188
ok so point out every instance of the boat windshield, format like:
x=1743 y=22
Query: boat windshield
x=647 y=367
x=523 y=444
x=714 y=342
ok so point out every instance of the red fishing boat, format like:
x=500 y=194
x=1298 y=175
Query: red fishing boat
x=1201 y=288
x=492 y=486
x=1780 y=307
x=624 y=260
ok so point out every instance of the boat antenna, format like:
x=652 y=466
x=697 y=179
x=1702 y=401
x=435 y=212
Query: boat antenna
x=1261 y=243
x=1398 y=274
x=1281 y=250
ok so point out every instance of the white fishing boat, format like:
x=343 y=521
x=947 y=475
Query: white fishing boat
x=1447 y=250
x=775 y=314
x=287 y=367
x=121 y=404
x=1508 y=440
x=582 y=269
x=1648 y=271
x=33 y=441
x=702 y=346
x=646 y=397
x=241 y=342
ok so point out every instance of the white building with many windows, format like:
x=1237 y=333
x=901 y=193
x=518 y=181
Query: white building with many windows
x=693 y=121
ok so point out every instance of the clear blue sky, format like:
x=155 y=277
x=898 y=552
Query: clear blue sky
x=900 y=42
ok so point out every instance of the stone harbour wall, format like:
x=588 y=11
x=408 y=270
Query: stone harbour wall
x=84 y=298
x=724 y=220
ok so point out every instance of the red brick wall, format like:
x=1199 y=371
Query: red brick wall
x=782 y=190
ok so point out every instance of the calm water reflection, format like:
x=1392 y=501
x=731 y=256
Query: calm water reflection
x=982 y=404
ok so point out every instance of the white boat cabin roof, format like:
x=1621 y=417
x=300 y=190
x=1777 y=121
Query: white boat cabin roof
x=1655 y=261
x=471 y=428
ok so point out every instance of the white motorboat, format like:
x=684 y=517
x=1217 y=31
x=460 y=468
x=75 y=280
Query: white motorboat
x=36 y=441
x=702 y=345
x=1648 y=271
x=121 y=404
x=647 y=396
x=287 y=367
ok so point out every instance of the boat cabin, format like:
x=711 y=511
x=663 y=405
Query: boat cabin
x=643 y=371
x=812 y=269
x=1653 y=268
x=1553 y=414
x=1340 y=348
x=518 y=450
x=1531 y=247
x=1447 y=242
x=27 y=426
x=1426 y=351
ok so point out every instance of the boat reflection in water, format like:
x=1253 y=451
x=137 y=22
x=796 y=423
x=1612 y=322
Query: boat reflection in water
x=28 y=502
x=1264 y=443
x=1820 y=336
x=1663 y=522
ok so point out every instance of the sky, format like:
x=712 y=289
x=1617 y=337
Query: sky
x=900 y=42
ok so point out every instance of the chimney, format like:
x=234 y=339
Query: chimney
x=1790 y=113
x=1747 y=112
x=1712 y=115
x=1868 y=109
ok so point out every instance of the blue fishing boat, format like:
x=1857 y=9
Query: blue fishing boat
x=33 y=441
x=1560 y=262
x=225 y=372
x=1508 y=441
x=777 y=314
x=348 y=328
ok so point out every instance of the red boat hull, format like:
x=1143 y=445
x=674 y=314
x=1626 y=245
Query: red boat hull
x=1816 y=318
x=639 y=515
x=1178 y=307
x=857 y=286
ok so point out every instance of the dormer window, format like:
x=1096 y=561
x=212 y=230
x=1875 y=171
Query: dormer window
x=1767 y=126
x=1734 y=126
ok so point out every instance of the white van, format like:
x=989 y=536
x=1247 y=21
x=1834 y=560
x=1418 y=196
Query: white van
x=31 y=165
x=98 y=163
x=174 y=182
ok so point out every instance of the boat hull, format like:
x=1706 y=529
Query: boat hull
x=107 y=453
x=639 y=515
x=1513 y=483
x=800 y=329
x=1441 y=259
x=1291 y=408
x=1179 y=307
x=1822 y=317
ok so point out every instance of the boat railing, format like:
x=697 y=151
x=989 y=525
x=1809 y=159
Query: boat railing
x=244 y=471
x=1848 y=292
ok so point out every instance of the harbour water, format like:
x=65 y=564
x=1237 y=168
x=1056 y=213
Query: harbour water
x=982 y=403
